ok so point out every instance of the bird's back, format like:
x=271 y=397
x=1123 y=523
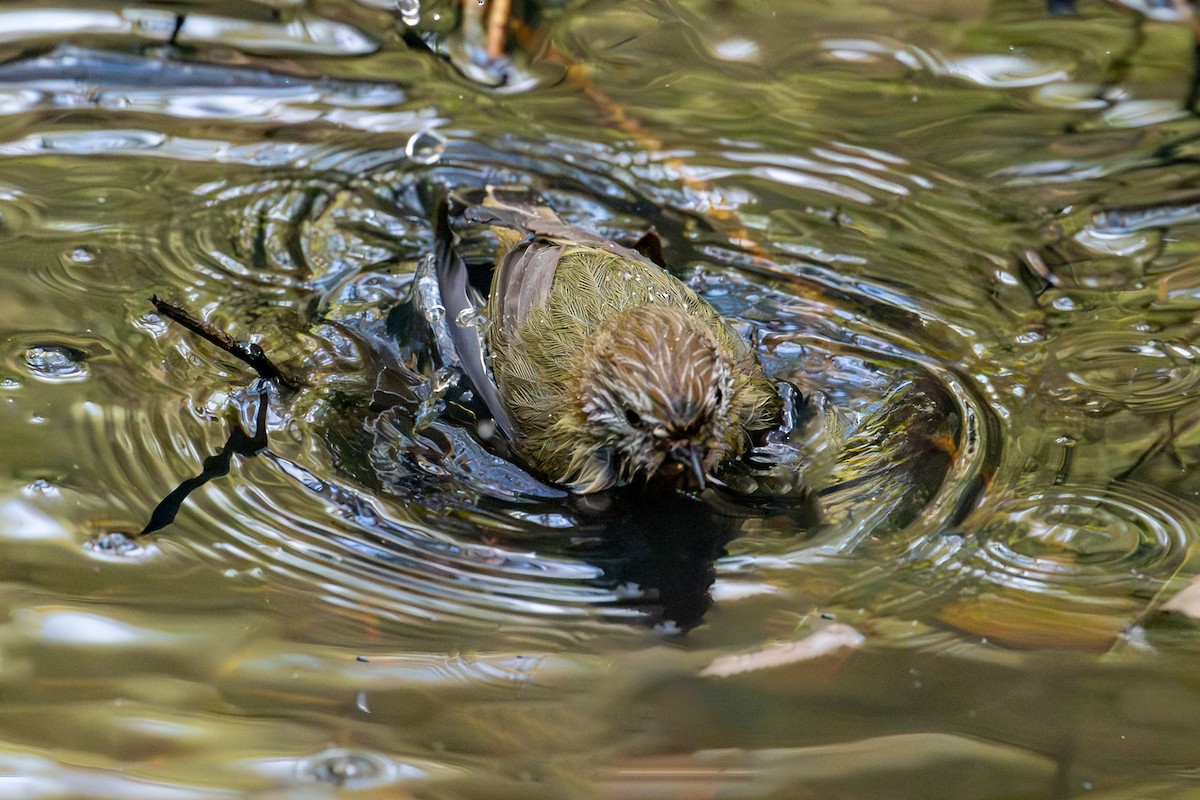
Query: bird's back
x=552 y=299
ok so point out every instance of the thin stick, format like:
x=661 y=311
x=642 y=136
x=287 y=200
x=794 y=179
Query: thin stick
x=247 y=352
x=497 y=30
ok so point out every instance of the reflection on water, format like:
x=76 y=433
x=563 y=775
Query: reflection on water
x=965 y=234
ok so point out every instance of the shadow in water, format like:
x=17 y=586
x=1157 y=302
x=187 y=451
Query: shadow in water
x=658 y=550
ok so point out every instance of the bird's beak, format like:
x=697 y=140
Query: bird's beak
x=691 y=456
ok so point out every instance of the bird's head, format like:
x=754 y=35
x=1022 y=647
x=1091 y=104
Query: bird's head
x=657 y=387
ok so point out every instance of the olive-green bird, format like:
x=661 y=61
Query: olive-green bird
x=598 y=365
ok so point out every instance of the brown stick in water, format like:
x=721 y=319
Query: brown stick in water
x=247 y=352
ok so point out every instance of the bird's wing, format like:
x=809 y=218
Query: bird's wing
x=523 y=280
x=455 y=294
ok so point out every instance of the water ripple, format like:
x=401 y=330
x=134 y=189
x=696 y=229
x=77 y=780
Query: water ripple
x=1102 y=370
x=304 y=33
x=1068 y=566
x=401 y=564
x=986 y=70
x=1098 y=539
x=78 y=78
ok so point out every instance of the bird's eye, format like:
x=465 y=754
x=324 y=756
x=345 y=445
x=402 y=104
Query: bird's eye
x=632 y=417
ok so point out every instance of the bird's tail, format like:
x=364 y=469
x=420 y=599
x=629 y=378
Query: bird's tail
x=510 y=210
x=517 y=200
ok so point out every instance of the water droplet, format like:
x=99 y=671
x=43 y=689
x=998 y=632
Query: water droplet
x=54 y=362
x=356 y=769
x=470 y=318
x=425 y=147
x=81 y=255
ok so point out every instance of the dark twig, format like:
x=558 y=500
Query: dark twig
x=247 y=352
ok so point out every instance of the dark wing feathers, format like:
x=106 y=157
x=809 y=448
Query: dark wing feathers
x=456 y=299
x=524 y=278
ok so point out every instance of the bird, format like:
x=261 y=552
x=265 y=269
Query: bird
x=598 y=366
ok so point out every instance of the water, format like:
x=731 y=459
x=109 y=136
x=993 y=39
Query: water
x=965 y=232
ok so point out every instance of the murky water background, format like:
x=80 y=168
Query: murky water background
x=966 y=231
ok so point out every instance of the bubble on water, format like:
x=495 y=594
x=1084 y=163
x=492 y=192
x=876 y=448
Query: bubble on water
x=10 y=384
x=118 y=546
x=425 y=147
x=350 y=769
x=54 y=362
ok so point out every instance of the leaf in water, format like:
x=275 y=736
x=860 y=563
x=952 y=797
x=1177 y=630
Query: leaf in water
x=913 y=765
x=826 y=640
x=1187 y=601
x=1025 y=623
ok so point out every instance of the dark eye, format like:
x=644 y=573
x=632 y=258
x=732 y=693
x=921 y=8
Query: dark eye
x=632 y=417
